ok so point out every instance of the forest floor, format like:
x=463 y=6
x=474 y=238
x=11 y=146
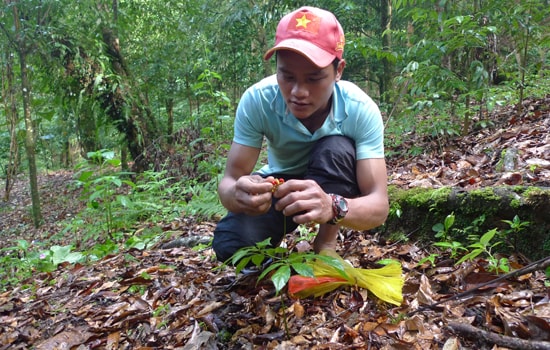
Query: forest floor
x=179 y=298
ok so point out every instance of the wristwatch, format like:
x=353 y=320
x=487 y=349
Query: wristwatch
x=339 y=208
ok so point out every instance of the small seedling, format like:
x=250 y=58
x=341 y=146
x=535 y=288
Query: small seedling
x=484 y=246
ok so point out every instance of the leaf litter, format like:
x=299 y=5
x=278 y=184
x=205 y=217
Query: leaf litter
x=172 y=296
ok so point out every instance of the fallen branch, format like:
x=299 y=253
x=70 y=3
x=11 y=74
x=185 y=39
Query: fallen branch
x=534 y=266
x=468 y=331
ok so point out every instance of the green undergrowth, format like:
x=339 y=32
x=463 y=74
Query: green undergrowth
x=122 y=211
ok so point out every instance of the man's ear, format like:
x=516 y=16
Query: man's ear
x=340 y=69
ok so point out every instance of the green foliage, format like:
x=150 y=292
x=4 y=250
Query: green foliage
x=204 y=202
x=485 y=246
x=516 y=225
x=307 y=232
x=443 y=68
x=19 y=262
x=152 y=197
x=146 y=239
x=430 y=258
x=281 y=262
x=442 y=230
x=121 y=202
x=513 y=234
x=454 y=56
x=104 y=191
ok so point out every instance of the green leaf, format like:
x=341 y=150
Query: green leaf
x=270 y=268
x=239 y=254
x=73 y=257
x=257 y=259
x=108 y=155
x=504 y=265
x=85 y=175
x=470 y=256
x=334 y=262
x=113 y=162
x=487 y=237
x=264 y=244
x=386 y=262
x=124 y=201
x=23 y=244
x=62 y=254
x=449 y=221
x=281 y=277
x=438 y=227
x=303 y=269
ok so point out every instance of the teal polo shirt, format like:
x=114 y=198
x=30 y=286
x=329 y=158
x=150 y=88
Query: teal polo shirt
x=262 y=113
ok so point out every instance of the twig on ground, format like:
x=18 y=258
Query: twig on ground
x=468 y=331
x=534 y=266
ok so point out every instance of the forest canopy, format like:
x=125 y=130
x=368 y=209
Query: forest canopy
x=151 y=78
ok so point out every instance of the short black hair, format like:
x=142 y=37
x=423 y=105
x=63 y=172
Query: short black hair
x=335 y=63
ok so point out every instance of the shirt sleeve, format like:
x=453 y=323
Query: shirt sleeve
x=369 y=132
x=247 y=127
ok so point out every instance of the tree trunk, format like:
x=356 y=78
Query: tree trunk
x=385 y=26
x=10 y=108
x=169 y=102
x=30 y=139
x=127 y=108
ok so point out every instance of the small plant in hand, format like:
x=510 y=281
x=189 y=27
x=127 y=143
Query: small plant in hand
x=276 y=183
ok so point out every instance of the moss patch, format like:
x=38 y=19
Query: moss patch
x=476 y=211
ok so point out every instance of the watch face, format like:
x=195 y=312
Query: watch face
x=343 y=204
x=340 y=208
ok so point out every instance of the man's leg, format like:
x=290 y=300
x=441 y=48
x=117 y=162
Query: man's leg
x=333 y=166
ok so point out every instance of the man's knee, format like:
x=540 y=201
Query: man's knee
x=332 y=165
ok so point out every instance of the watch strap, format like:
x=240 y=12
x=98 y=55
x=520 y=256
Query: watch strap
x=338 y=212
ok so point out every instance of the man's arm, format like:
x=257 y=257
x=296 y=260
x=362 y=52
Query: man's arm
x=368 y=211
x=309 y=203
x=371 y=209
x=239 y=191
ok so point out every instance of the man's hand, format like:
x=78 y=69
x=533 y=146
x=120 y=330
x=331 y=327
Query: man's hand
x=253 y=194
x=306 y=200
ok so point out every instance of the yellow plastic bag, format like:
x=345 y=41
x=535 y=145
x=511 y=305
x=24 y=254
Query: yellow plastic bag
x=386 y=282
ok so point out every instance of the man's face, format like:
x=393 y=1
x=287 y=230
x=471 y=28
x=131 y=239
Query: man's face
x=305 y=87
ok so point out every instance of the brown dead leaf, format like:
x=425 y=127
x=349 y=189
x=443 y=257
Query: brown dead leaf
x=298 y=309
x=208 y=308
x=65 y=340
x=425 y=295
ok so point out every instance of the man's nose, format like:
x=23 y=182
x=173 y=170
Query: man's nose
x=300 y=90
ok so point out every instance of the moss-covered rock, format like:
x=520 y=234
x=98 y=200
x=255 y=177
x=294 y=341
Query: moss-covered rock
x=415 y=211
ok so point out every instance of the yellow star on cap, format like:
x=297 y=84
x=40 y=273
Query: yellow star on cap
x=302 y=22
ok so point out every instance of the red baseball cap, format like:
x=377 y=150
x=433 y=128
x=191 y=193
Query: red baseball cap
x=312 y=32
